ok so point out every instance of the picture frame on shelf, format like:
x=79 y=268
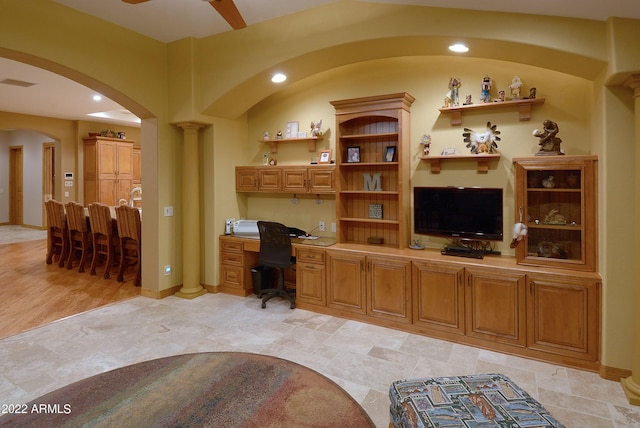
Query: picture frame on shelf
x=291 y=130
x=325 y=156
x=389 y=154
x=353 y=154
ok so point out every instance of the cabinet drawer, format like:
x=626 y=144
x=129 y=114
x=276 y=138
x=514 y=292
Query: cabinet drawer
x=232 y=277
x=231 y=246
x=309 y=256
x=232 y=259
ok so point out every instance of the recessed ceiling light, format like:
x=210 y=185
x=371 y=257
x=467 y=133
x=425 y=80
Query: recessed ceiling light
x=459 y=47
x=278 y=78
x=97 y=98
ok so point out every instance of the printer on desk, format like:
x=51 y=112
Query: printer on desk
x=246 y=228
x=249 y=229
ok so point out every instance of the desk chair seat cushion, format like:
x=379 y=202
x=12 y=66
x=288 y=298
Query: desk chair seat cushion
x=275 y=252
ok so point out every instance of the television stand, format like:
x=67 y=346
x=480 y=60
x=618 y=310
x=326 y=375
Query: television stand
x=451 y=250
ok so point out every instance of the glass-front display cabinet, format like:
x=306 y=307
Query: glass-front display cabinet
x=557 y=196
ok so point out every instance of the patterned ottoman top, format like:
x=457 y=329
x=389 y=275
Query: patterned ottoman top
x=486 y=400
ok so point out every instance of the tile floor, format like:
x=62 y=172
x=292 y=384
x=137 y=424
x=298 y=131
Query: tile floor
x=362 y=358
x=11 y=233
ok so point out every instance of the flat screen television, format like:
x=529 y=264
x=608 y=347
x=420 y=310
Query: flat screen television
x=473 y=213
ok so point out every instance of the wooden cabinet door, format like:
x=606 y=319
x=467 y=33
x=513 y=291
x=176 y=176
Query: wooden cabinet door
x=495 y=305
x=563 y=315
x=311 y=276
x=246 y=179
x=310 y=284
x=270 y=179
x=389 y=289
x=321 y=180
x=107 y=152
x=346 y=282
x=294 y=180
x=137 y=166
x=438 y=296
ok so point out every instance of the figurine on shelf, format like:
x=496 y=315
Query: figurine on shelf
x=549 y=182
x=485 y=89
x=482 y=142
x=549 y=143
x=426 y=144
x=452 y=95
x=468 y=100
x=315 y=128
x=515 y=86
x=501 y=95
x=279 y=135
x=266 y=135
x=532 y=93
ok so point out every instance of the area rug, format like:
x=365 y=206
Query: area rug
x=486 y=400
x=216 y=389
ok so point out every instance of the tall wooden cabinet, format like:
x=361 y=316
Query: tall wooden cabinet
x=372 y=188
x=108 y=170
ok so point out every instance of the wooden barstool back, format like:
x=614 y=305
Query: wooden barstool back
x=79 y=235
x=57 y=233
x=129 y=233
x=104 y=241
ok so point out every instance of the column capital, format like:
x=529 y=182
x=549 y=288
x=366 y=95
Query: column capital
x=190 y=126
x=633 y=82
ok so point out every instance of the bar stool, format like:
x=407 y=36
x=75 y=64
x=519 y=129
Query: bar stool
x=104 y=241
x=79 y=235
x=129 y=233
x=57 y=232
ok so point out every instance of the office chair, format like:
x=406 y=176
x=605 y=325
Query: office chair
x=275 y=252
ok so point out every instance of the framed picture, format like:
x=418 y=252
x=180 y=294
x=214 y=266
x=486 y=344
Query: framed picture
x=325 y=156
x=389 y=154
x=291 y=130
x=353 y=154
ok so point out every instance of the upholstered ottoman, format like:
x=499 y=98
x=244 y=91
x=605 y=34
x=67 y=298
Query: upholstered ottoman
x=485 y=400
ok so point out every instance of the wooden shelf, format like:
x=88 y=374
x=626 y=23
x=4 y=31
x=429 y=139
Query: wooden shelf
x=368 y=220
x=481 y=159
x=369 y=136
x=524 y=108
x=273 y=142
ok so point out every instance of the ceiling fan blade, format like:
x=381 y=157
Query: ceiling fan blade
x=134 y=1
x=229 y=12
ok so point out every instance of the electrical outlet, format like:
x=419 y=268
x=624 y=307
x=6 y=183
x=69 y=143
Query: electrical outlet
x=321 y=226
x=333 y=227
x=168 y=211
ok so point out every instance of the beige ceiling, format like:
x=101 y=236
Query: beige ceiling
x=169 y=20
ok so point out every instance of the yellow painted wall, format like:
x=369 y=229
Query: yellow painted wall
x=425 y=78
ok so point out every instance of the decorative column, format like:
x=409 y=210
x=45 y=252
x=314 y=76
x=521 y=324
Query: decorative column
x=191 y=287
x=631 y=385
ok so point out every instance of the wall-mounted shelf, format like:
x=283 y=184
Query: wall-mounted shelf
x=273 y=142
x=524 y=108
x=481 y=159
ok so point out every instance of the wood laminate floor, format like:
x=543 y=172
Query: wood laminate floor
x=33 y=293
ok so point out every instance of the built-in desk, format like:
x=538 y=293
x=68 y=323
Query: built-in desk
x=239 y=254
x=495 y=303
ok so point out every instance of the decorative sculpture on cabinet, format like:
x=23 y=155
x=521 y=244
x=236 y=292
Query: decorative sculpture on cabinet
x=549 y=143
